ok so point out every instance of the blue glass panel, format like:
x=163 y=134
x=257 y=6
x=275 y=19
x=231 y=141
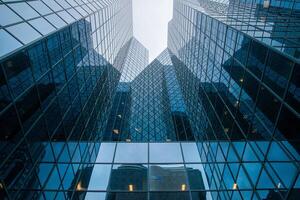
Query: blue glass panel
x=8 y=43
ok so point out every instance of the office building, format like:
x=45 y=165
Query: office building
x=85 y=116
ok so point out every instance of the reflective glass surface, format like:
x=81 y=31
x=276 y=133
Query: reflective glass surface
x=85 y=116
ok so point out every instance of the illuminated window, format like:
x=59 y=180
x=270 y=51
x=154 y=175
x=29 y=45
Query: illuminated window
x=130 y=187
x=79 y=187
x=266 y=4
x=234 y=186
x=116 y=131
x=183 y=187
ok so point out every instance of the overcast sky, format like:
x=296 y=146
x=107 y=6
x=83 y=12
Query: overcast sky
x=150 y=24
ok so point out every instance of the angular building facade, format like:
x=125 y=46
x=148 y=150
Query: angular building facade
x=61 y=62
x=238 y=71
x=214 y=116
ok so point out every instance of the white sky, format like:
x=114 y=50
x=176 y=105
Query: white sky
x=150 y=24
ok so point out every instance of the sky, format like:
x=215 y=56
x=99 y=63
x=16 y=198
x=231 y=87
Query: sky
x=150 y=24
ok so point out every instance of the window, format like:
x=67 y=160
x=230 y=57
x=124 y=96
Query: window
x=42 y=26
x=40 y=7
x=132 y=153
x=106 y=152
x=19 y=30
x=190 y=152
x=100 y=177
x=24 y=10
x=167 y=177
x=129 y=178
x=8 y=43
x=10 y=16
x=165 y=153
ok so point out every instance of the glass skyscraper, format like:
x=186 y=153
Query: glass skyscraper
x=85 y=116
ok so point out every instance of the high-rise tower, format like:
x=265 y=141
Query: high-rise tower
x=214 y=116
x=238 y=67
x=61 y=62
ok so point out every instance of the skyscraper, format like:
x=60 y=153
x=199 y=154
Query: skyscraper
x=214 y=116
x=238 y=71
x=61 y=62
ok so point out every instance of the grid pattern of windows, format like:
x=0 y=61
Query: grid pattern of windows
x=40 y=18
x=148 y=105
x=56 y=93
x=77 y=81
x=118 y=128
x=275 y=23
x=181 y=172
x=237 y=90
x=146 y=174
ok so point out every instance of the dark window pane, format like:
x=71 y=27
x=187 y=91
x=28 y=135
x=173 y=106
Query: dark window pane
x=5 y=97
x=256 y=59
x=28 y=106
x=167 y=178
x=9 y=124
x=39 y=59
x=126 y=195
x=293 y=94
x=129 y=178
x=17 y=69
x=277 y=72
x=54 y=48
x=169 y=196
x=65 y=39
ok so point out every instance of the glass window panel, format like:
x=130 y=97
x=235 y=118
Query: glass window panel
x=287 y=172
x=95 y=196
x=132 y=153
x=53 y=182
x=190 y=152
x=39 y=59
x=165 y=153
x=53 y=5
x=197 y=177
x=64 y=4
x=129 y=178
x=19 y=30
x=28 y=114
x=5 y=98
x=19 y=75
x=253 y=169
x=8 y=43
x=74 y=13
x=9 y=124
x=264 y=181
x=167 y=177
x=10 y=16
x=54 y=48
x=169 y=195
x=289 y=126
x=56 y=21
x=126 y=195
x=66 y=16
x=40 y=7
x=106 y=152
x=243 y=180
x=276 y=153
x=42 y=26
x=43 y=171
x=100 y=177
x=24 y=10
x=201 y=195
x=256 y=58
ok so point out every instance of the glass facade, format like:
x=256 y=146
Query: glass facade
x=56 y=91
x=236 y=63
x=214 y=116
